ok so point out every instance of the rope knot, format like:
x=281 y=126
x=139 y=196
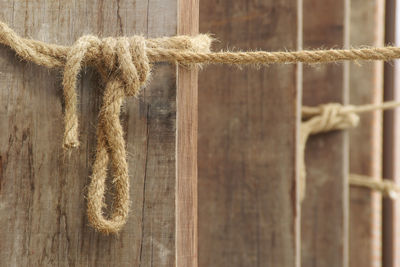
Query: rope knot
x=123 y=64
x=126 y=59
x=325 y=118
x=119 y=58
x=333 y=116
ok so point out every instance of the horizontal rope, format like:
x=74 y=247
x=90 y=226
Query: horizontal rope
x=263 y=57
x=387 y=187
x=347 y=109
x=166 y=50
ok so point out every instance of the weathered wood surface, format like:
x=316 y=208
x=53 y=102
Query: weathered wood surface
x=187 y=129
x=366 y=86
x=42 y=192
x=248 y=130
x=324 y=222
x=391 y=142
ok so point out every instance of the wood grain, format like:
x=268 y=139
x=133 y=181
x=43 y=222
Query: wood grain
x=187 y=128
x=324 y=223
x=42 y=192
x=391 y=143
x=366 y=86
x=248 y=131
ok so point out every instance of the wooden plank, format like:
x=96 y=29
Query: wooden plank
x=248 y=133
x=366 y=86
x=187 y=128
x=42 y=193
x=391 y=142
x=324 y=222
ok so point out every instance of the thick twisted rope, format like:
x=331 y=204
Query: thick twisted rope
x=192 y=50
x=331 y=117
x=124 y=65
x=263 y=57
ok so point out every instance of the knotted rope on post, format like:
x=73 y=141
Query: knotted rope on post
x=124 y=66
x=325 y=118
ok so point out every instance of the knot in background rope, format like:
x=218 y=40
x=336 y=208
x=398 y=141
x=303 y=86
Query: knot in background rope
x=124 y=67
x=325 y=118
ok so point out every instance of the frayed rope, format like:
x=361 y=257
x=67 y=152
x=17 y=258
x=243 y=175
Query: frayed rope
x=124 y=66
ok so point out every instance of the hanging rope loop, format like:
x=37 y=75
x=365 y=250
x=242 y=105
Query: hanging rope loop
x=124 y=65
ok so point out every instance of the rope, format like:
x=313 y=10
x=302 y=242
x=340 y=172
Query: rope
x=124 y=66
x=308 y=112
x=331 y=117
x=385 y=186
x=192 y=50
x=263 y=57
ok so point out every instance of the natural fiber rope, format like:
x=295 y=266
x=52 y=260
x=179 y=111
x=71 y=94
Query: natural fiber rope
x=387 y=187
x=124 y=65
x=331 y=117
x=191 y=50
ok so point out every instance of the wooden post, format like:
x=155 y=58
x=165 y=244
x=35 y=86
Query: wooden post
x=42 y=192
x=186 y=161
x=324 y=223
x=366 y=86
x=391 y=142
x=248 y=134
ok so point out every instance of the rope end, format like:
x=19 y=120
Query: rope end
x=201 y=43
x=392 y=194
x=70 y=142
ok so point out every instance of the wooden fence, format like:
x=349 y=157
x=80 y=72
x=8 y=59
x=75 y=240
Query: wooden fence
x=42 y=200
x=214 y=183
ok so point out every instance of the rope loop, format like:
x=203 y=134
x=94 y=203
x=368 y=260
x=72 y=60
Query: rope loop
x=125 y=68
x=124 y=65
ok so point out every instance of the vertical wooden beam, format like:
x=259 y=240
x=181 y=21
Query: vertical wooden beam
x=391 y=141
x=324 y=223
x=42 y=192
x=366 y=86
x=187 y=124
x=248 y=134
